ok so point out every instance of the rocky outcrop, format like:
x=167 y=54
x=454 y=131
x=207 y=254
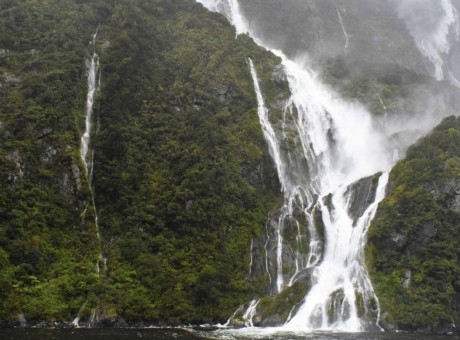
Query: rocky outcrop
x=360 y=195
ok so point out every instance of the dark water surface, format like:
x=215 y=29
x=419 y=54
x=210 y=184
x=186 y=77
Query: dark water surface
x=95 y=334
x=189 y=334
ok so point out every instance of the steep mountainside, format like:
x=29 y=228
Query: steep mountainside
x=414 y=243
x=180 y=217
x=182 y=176
x=48 y=245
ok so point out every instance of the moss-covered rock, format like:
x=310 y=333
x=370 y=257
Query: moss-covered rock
x=274 y=310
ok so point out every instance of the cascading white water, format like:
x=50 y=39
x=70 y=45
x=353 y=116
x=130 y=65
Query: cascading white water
x=320 y=148
x=93 y=69
x=250 y=312
x=341 y=276
x=231 y=10
x=76 y=321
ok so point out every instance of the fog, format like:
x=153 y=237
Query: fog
x=435 y=28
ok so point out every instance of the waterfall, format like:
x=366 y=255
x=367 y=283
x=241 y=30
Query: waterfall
x=231 y=9
x=76 y=321
x=345 y=34
x=93 y=68
x=339 y=277
x=251 y=260
x=250 y=312
x=322 y=147
x=86 y=153
x=93 y=85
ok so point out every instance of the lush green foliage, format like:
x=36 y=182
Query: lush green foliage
x=48 y=248
x=413 y=251
x=183 y=180
x=182 y=177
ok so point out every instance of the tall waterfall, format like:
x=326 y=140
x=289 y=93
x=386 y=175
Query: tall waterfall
x=330 y=155
x=93 y=68
x=322 y=147
x=86 y=153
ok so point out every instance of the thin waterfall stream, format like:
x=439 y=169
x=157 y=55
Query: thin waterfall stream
x=86 y=152
x=345 y=34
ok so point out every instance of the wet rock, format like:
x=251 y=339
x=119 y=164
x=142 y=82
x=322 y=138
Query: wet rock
x=274 y=310
x=361 y=194
x=254 y=175
x=427 y=231
x=77 y=177
x=222 y=91
x=451 y=189
x=47 y=156
x=66 y=185
x=271 y=321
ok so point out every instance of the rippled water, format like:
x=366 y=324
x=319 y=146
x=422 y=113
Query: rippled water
x=96 y=334
x=191 y=334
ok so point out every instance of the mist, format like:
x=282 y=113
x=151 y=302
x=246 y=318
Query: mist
x=435 y=28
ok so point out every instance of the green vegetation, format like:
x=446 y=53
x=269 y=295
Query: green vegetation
x=275 y=310
x=48 y=247
x=182 y=176
x=413 y=251
x=183 y=181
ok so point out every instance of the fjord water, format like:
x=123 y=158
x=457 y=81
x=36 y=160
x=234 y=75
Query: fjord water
x=190 y=334
x=321 y=146
x=95 y=334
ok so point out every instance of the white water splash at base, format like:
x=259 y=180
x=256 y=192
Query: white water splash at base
x=332 y=144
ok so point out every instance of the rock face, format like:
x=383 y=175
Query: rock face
x=361 y=194
x=413 y=244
